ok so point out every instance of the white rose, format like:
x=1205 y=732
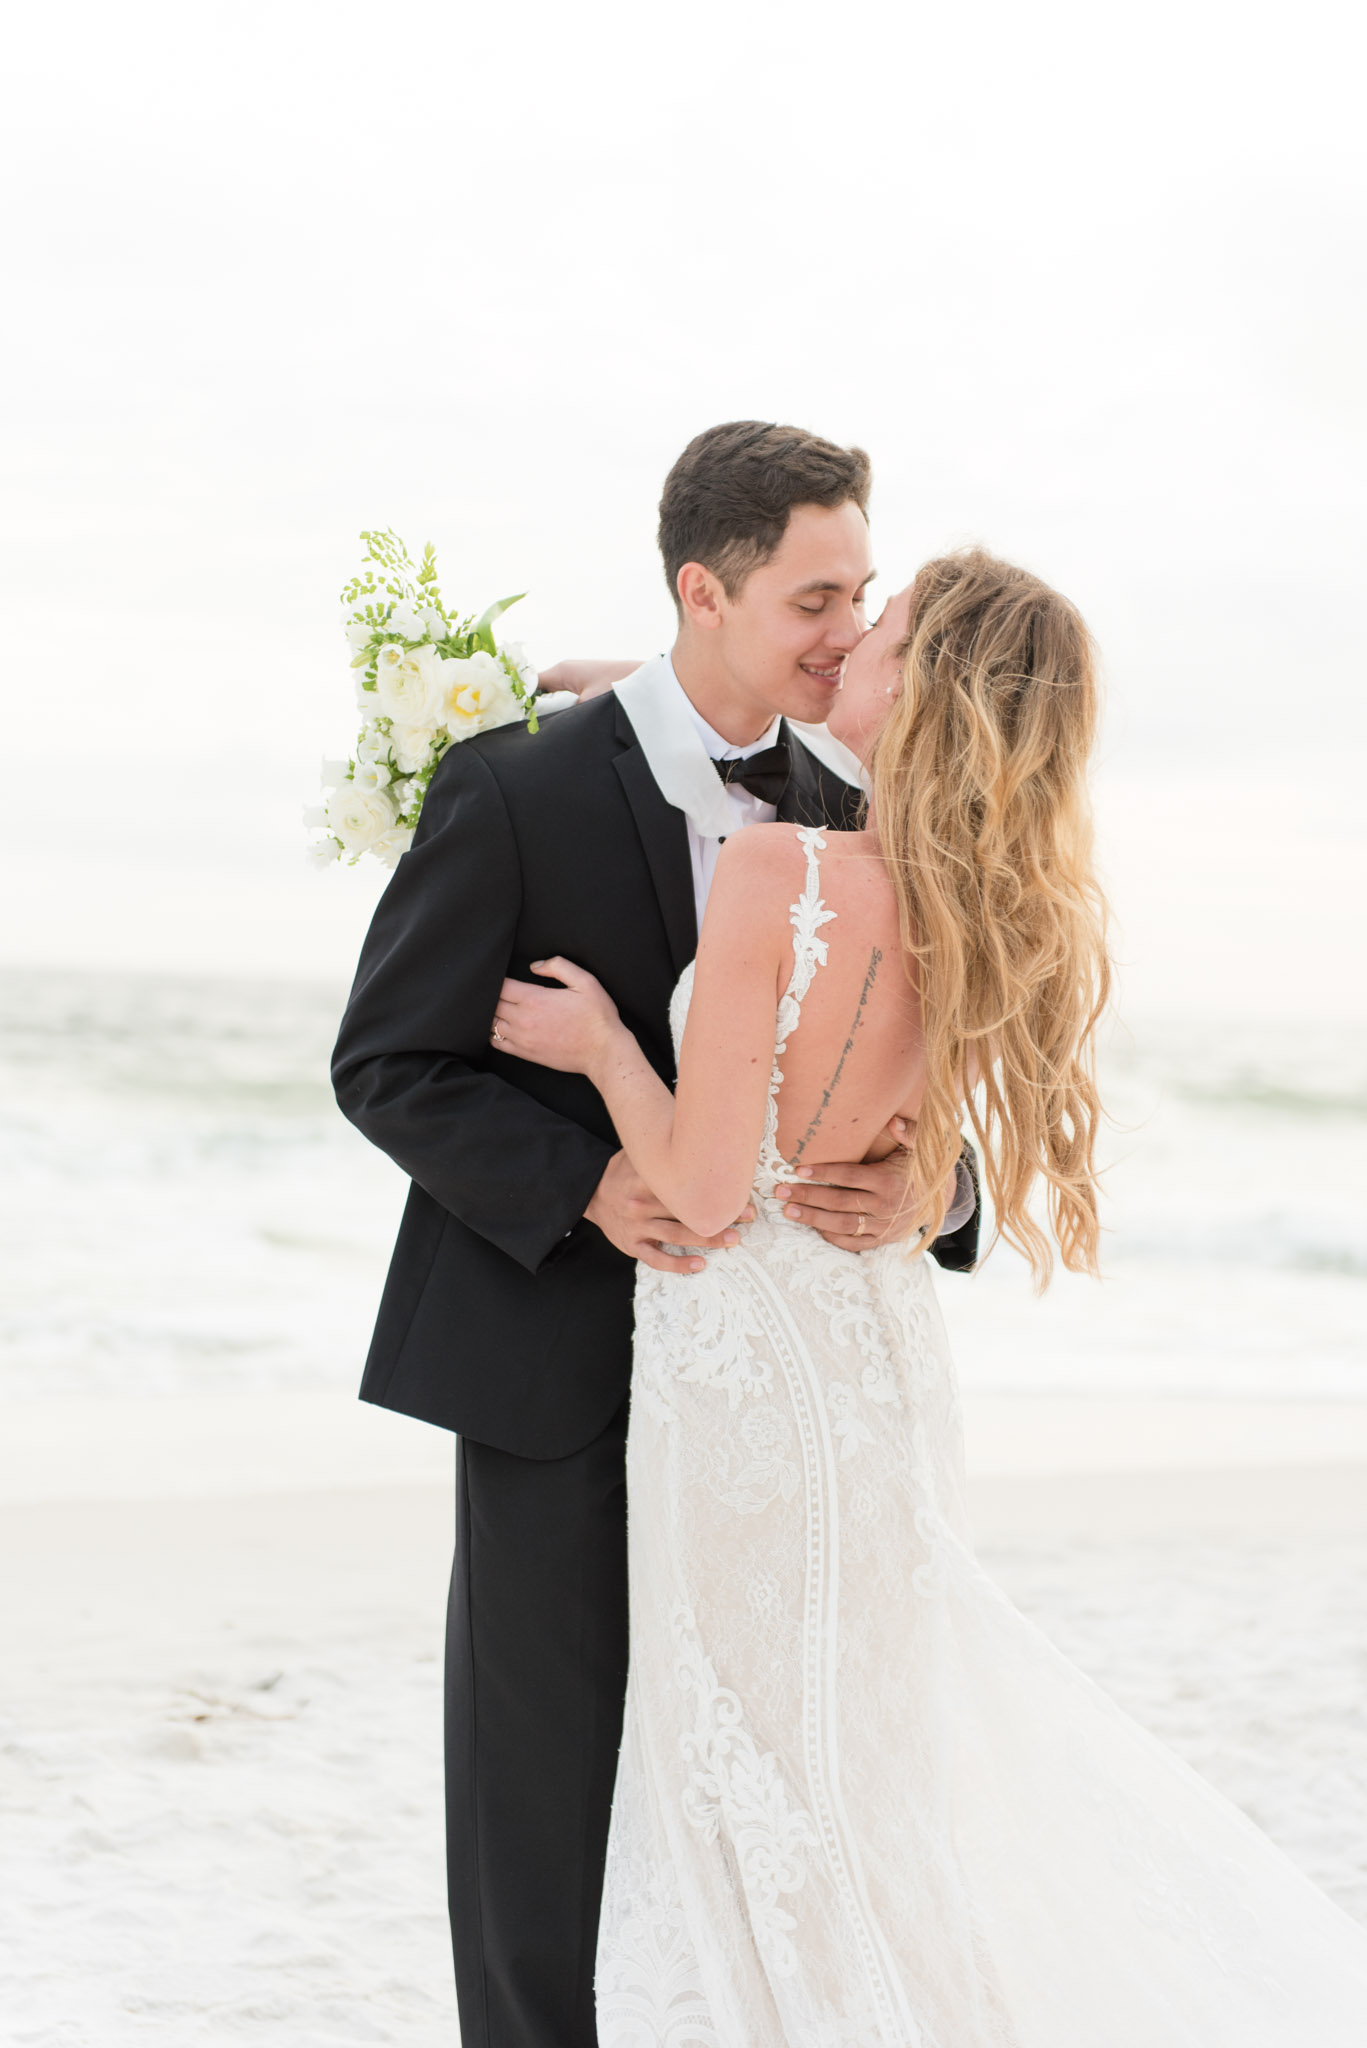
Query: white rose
x=370 y=775
x=360 y=816
x=411 y=745
x=479 y=696
x=410 y=689
x=394 y=845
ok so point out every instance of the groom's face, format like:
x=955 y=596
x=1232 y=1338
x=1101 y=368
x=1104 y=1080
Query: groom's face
x=788 y=631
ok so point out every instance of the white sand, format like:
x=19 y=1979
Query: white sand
x=220 y=1811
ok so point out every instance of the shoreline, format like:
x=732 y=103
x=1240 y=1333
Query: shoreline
x=220 y=1446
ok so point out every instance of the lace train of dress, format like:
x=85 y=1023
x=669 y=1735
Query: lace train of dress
x=862 y=1800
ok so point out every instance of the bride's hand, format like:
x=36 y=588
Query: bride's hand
x=569 y=1028
x=586 y=679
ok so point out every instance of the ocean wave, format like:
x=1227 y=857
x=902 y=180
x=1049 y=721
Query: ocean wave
x=1346 y=1259
x=1276 y=1096
x=187 y=1208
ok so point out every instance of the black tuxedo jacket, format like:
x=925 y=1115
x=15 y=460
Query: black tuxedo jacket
x=505 y=1316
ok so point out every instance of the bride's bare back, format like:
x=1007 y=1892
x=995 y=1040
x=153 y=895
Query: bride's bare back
x=855 y=1060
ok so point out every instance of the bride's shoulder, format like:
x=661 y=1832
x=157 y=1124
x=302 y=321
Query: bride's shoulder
x=777 y=852
x=763 y=871
x=759 y=843
x=758 y=874
x=759 y=855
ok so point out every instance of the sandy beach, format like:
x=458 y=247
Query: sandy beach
x=220 y=1749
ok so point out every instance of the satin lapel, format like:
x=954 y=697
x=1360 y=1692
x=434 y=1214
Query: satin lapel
x=664 y=838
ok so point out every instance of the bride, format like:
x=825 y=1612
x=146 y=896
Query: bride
x=861 y=1799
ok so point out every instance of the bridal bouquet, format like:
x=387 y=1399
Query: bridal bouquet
x=424 y=679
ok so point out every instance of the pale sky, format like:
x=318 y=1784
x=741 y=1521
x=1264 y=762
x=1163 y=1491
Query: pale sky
x=1088 y=285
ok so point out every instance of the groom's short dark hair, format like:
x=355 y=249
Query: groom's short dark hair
x=728 y=498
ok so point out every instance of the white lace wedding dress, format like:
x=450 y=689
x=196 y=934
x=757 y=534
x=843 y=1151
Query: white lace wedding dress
x=861 y=1800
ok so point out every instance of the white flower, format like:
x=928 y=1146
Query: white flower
x=322 y=852
x=373 y=745
x=479 y=696
x=358 y=633
x=366 y=700
x=370 y=775
x=360 y=816
x=334 y=773
x=406 y=623
x=402 y=793
x=411 y=745
x=394 y=845
x=434 y=625
x=516 y=653
x=411 y=688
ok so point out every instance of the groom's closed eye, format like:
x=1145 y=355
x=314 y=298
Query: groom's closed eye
x=814 y=610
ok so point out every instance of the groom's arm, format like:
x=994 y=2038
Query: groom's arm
x=410 y=1067
x=956 y=1248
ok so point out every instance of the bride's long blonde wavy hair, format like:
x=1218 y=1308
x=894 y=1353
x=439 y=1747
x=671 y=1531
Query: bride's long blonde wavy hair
x=980 y=804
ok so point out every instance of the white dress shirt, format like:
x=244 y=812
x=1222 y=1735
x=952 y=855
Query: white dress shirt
x=744 y=809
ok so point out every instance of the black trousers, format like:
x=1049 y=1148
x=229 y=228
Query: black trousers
x=536 y=1661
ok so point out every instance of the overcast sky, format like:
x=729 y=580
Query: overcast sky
x=1089 y=286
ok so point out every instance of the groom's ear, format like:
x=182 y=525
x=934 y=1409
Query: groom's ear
x=701 y=596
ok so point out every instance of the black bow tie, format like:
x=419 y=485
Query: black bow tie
x=765 y=775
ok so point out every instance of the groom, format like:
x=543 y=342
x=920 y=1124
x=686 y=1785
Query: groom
x=507 y=1314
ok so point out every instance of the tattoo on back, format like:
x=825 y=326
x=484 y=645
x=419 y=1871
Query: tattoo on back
x=875 y=962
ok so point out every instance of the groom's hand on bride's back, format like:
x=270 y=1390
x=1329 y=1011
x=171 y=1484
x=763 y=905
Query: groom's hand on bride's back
x=637 y=1222
x=856 y=1207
